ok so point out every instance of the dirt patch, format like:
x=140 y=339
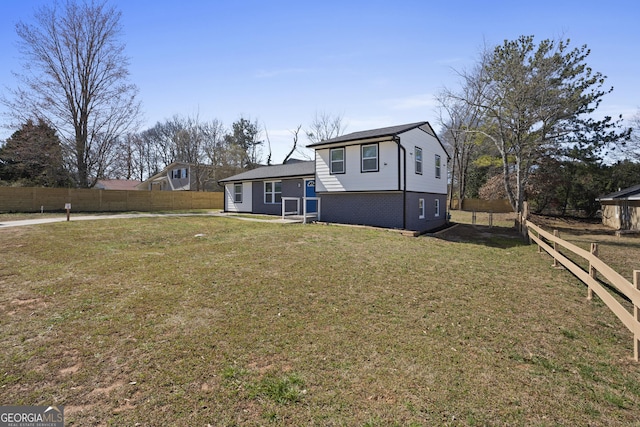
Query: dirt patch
x=482 y=234
x=106 y=390
x=71 y=369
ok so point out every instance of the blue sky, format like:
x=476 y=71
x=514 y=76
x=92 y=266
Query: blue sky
x=376 y=63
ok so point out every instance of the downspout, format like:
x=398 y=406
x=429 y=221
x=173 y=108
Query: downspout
x=402 y=180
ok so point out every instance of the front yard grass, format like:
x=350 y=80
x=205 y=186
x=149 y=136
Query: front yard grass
x=214 y=321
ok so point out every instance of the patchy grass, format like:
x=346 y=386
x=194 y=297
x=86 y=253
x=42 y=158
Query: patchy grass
x=621 y=253
x=140 y=321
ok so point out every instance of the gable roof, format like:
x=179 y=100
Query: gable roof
x=373 y=133
x=117 y=184
x=632 y=193
x=289 y=170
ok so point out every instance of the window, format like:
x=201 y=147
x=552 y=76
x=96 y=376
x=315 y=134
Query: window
x=237 y=193
x=179 y=173
x=437 y=211
x=337 y=160
x=272 y=192
x=437 y=166
x=369 y=158
x=421 y=208
x=419 y=160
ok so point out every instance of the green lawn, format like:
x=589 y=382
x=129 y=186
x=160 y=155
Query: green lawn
x=140 y=321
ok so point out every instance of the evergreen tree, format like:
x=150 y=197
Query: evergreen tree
x=32 y=156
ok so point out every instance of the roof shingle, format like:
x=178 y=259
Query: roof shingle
x=372 y=133
x=289 y=170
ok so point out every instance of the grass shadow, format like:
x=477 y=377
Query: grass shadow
x=494 y=237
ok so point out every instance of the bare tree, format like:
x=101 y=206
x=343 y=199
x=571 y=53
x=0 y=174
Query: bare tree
x=266 y=134
x=75 y=77
x=631 y=151
x=457 y=119
x=295 y=144
x=325 y=126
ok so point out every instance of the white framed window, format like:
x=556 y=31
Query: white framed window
x=179 y=173
x=272 y=192
x=369 y=156
x=336 y=160
x=237 y=193
x=438 y=166
x=420 y=208
x=437 y=208
x=418 y=151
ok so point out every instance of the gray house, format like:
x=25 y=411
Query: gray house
x=181 y=176
x=260 y=190
x=392 y=177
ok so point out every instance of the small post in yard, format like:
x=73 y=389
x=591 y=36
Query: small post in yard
x=490 y=219
x=473 y=218
x=592 y=271
x=636 y=315
x=555 y=248
x=67 y=207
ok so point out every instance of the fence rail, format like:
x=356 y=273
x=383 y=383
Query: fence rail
x=549 y=242
x=36 y=199
x=496 y=206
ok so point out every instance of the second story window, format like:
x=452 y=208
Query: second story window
x=419 y=160
x=336 y=160
x=369 y=158
x=437 y=166
x=179 y=173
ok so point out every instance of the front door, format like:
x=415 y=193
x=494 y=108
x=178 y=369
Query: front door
x=310 y=191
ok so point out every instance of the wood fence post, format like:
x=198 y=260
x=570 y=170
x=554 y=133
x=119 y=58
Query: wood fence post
x=539 y=247
x=592 y=271
x=473 y=218
x=636 y=315
x=555 y=248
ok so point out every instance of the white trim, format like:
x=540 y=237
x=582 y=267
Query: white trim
x=273 y=192
x=235 y=192
x=343 y=161
x=363 y=158
x=418 y=162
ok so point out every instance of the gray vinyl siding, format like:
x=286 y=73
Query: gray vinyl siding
x=383 y=210
x=374 y=209
x=290 y=188
x=430 y=221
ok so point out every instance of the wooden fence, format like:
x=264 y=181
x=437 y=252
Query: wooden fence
x=550 y=242
x=479 y=205
x=35 y=199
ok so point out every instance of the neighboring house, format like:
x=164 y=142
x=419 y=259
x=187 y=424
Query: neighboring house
x=180 y=176
x=621 y=210
x=393 y=177
x=260 y=190
x=117 y=184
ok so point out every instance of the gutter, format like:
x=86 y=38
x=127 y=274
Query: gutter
x=402 y=180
